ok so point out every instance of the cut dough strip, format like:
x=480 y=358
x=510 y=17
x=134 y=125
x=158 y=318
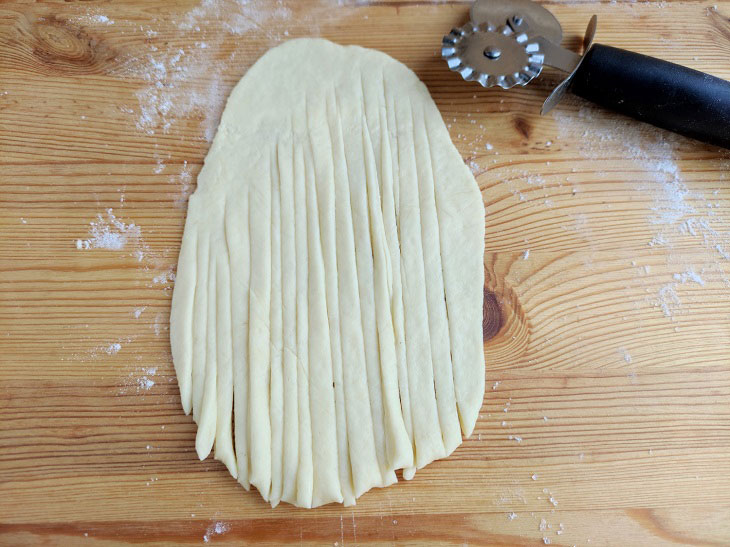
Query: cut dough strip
x=237 y=242
x=259 y=348
x=276 y=399
x=181 y=313
x=305 y=472
x=208 y=410
x=290 y=461
x=199 y=320
x=224 y=379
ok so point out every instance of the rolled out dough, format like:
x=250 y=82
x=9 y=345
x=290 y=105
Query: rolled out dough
x=326 y=318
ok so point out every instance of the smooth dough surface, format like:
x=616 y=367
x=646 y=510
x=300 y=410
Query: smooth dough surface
x=326 y=318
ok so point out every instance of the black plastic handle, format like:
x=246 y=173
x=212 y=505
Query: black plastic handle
x=671 y=96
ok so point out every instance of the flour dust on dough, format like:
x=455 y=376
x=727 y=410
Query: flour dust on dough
x=326 y=318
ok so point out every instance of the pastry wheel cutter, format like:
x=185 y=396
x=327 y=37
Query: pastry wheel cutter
x=508 y=42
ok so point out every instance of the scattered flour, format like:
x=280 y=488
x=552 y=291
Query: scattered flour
x=164 y=277
x=102 y=350
x=113 y=348
x=668 y=299
x=111 y=233
x=108 y=232
x=625 y=354
x=689 y=276
x=92 y=19
x=216 y=529
x=145 y=383
x=101 y=19
x=139 y=381
x=674 y=213
x=674 y=209
x=158 y=325
x=185 y=181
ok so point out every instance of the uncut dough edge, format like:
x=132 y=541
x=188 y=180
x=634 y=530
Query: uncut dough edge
x=290 y=76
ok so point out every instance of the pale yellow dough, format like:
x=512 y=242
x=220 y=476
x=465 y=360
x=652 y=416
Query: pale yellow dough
x=326 y=318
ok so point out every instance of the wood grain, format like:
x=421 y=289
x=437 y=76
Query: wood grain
x=607 y=330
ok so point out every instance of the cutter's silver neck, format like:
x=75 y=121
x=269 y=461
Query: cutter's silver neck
x=557 y=56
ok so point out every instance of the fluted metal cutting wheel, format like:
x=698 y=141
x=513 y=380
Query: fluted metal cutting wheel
x=502 y=56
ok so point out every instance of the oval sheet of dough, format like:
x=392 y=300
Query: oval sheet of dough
x=326 y=319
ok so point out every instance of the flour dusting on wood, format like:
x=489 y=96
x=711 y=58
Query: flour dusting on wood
x=677 y=215
x=109 y=232
x=140 y=380
x=216 y=529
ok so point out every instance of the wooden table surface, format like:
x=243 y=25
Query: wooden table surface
x=607 y=307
